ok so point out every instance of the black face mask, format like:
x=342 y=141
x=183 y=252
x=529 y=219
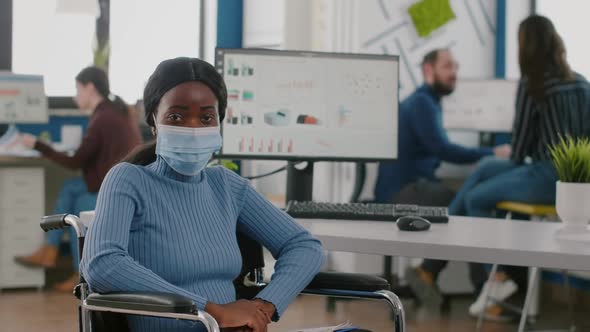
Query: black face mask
x=441 y=89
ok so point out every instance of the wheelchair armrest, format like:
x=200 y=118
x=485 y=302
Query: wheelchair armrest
x=348 y=282
x=331 y=281
x=152 y=302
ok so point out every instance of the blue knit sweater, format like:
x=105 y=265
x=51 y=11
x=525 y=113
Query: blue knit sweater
x=158 y=230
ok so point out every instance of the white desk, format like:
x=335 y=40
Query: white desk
x=521 y=243
x=462 y=239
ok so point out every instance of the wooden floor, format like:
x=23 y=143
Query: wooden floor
x=49 y=312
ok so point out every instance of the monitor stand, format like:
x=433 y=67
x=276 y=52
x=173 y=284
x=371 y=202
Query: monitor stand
x=299 y=182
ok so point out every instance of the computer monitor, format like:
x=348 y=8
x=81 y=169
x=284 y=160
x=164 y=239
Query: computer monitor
x=22 y=99
x=294 y=105
x=309 y=106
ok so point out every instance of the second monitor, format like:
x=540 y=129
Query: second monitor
x=296 y=105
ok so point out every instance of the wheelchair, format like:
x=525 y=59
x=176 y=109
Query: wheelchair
x=107 y=312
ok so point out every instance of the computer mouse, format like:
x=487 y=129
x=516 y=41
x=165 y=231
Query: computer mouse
x=412 y=223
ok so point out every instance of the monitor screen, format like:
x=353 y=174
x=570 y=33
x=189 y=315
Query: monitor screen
x=297 y=105
x=22 y=99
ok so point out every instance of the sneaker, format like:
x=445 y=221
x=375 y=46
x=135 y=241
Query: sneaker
x=423 y=285
x=496 y=291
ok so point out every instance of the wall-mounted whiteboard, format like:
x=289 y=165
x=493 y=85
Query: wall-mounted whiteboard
x=22 y=99
x=481 y=105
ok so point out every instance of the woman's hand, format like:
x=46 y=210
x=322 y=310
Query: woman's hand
x=268 y=308
x=503 y=151
x=249 y=315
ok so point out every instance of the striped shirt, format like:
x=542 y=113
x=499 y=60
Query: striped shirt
x=565 y=110
x=156 y=230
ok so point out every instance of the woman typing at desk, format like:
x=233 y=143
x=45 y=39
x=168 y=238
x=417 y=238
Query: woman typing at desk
x=110 y=136
x=167 y=223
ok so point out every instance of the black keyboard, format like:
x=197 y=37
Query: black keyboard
x=365 y=211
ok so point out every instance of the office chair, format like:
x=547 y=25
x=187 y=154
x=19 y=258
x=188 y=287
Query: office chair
x=106 y=312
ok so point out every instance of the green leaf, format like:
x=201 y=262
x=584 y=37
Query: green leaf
x=229 y=164
x=571 y=158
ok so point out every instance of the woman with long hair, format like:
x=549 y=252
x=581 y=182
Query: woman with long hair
x=552 y=102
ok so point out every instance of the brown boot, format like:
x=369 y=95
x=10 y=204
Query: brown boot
x=45 y=257
x=496 y=313
x=67 y=286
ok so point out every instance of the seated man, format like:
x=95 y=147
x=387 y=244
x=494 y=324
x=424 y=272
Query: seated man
x=423 y=144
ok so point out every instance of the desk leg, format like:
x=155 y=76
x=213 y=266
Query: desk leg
x=387 y=269
x=570 y=301
x=485 y=295
x=528 y=299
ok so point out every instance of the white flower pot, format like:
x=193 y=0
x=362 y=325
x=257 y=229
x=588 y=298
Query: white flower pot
x=573 y=208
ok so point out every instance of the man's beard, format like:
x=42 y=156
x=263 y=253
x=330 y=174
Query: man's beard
x=441 y=89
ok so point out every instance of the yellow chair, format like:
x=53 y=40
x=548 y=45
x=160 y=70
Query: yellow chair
x=532 y=210
x=536 y=212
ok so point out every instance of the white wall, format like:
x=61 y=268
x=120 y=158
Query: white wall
x=263 y=23
x=570 y=20
x=210 y=8
x=516 y=11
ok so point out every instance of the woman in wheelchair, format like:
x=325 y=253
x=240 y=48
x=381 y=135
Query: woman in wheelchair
x=167 y=223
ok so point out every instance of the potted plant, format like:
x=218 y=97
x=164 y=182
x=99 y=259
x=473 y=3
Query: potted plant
x=571 y=158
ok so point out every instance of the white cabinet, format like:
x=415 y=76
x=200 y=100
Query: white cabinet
x=22 y=204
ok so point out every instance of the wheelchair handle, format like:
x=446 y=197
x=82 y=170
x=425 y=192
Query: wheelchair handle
x=61 y=221
x=53 y=222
